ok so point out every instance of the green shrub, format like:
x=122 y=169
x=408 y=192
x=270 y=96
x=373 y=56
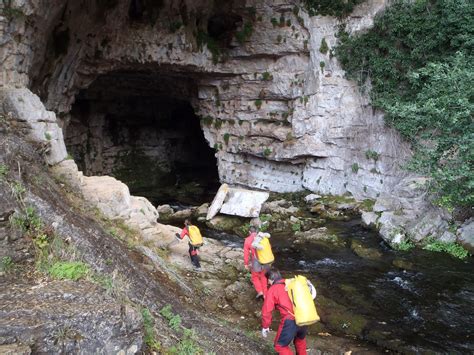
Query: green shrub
x=226 y=138
x=148 y=324
x=267 y=76
x=324 y=48
x=258 y=104
x=70 y=270
x=174 y=320
x=207 y=121
x=368 y=205
x=403 y=246
x=322 y=64
x=267 y=151
x=453 y=249
x=421 y=65
x=3 y=171
x=355 y=168
x=6 y=264
x=337 y=8
x=245 y=33
x=296 y=227
x=217 y=123
x=274 y=22
x=204 y=39
x=371 y=154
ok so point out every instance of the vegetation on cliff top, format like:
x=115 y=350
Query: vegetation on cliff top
x=419 y=60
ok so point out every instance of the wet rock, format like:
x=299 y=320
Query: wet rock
x=447 y=237
x=180 y=216
x=386 y=204
x=465 y=235
x=311 y=198
x=225 y=223
x=365 y=252
x=164 y=213
x=201 y=211
x=318 y=235
x=70 y=317
x=281 y=207
x=403 y=264
x=369 y=219
x=164 y=210
x=340 y=318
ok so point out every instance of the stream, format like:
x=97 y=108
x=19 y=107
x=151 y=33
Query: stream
x=412 y=302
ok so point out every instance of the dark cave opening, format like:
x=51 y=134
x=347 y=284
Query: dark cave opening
x=141 y=128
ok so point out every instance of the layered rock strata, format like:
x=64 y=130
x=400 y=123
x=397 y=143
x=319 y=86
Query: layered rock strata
x=273 y=102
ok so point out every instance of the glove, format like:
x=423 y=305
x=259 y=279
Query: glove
x=265 y=332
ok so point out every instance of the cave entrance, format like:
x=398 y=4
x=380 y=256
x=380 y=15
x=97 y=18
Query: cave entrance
x=141 y=128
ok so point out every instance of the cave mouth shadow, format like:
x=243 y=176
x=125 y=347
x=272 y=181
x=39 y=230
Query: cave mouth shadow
x=142 y=129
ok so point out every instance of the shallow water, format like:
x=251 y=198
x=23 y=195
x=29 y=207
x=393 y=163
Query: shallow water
x=426 y=307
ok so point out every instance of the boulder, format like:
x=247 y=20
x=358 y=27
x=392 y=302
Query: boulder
x=218 y=201
x=369 y=219
x=27 y=107
x=110 y=195
x=244 y=203
x=202 y=210
x=465 y=235
x=281 y=207
x=364 y=251
x=142 y=214
x=311 y=198
x=164 y=210
x=225 y=223
x=68 y=172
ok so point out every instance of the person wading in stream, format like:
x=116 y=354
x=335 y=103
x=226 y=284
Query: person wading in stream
x=251 y=263
x=195 y=241
x=277 y=297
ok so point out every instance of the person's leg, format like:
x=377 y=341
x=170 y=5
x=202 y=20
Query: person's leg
x=300 y=340
x=194 y=257
x=286 y=333
x=263 y=282
x=255 y=276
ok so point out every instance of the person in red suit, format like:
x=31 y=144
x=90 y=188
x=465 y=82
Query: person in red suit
x=251 y=263
x=277 y=298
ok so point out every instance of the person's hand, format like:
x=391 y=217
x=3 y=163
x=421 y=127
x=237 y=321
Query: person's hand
x=265 y=332
x=247 y=267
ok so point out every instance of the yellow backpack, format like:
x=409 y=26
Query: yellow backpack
x=264 y=253
x=303 y=304
x=195 y=236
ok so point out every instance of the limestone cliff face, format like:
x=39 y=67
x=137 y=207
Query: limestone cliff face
x=273 y=102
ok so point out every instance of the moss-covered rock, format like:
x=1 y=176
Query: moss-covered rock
x=226 y=223
x=339 y=318
x=364 y=251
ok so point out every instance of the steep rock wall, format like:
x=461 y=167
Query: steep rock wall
x=274 y=104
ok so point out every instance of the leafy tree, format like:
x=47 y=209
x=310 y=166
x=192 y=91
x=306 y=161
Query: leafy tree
x=419 y=60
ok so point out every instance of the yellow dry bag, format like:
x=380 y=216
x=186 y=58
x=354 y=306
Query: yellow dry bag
x=195 y=236
x=303 y=304
x=264 y=252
